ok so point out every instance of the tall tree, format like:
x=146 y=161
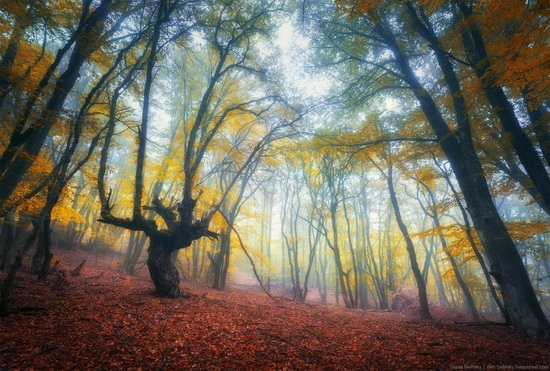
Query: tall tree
x=25 y=145
x=229 y=29
x=506 y=264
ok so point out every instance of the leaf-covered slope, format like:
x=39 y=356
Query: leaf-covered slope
x=101 y=319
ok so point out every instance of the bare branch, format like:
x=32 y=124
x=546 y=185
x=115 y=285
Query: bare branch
x=247 y=255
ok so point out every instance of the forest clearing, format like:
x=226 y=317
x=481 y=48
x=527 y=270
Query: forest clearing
x=104 y=320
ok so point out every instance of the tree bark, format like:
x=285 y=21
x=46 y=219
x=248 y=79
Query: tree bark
x=163 y=272
x=7 y=239
x=507 y=267
x=39 y=254
x=421 y=285
x=8 y=58
x=540 y=118
x=465 y=290
x=502 y=107
x=36 y=135
x=47 y=235
x=7 y=285
x=354 y=294
x=221 y=260
x=476 y=251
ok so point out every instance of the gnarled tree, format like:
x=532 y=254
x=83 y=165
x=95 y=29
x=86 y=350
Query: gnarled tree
x=228 y=29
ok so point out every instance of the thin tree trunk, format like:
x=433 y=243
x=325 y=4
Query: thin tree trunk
x=506 y=265
x=47 y=236
x=540 y=117
x=136 y=253
x=473 y=245
x=39 y=254
x=422 y=295
x=225 y=261
x=354 y=294
x=7 y=239
x=435 y=217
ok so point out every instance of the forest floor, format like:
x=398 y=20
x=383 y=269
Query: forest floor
x=105 y=320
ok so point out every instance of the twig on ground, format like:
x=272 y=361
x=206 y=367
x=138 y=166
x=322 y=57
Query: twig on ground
x=76 y=271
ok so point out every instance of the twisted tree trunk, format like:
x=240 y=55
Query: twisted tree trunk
x=163 y=272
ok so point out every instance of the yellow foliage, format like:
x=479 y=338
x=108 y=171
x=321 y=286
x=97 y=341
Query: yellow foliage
x=526 y=230
x=516 y=37
x=66 y=12
x=26 y=58
x=64 y=214
x=457 y=237
x=426 y=175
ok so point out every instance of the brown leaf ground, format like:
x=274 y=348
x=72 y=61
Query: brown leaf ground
x=104 y=320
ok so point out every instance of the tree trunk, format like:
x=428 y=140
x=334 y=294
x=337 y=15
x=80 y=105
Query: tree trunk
x=436 y=272
x=269 y=232
x=9 y=57
x=353 y=293
x=70 y=233
x=540 y=118
x=225 y=261
x=36 y=135
x=311 y=259
x=290 y=249
x=7 y=238
x=370 y=261
x=219 y=261
x=336 y=250
x=39 y=254
x=507 y=267
x=163 y=272
x=421 y=285
x=435 y=217
x=195 y=253
x=139 y=244
x=321 y=271
x=215 y=264
x=7 y=285
x=47 y=236
x=503 y=109
x=129 y=249
x=471 y=240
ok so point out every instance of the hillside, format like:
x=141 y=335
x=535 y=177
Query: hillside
x=102 y=319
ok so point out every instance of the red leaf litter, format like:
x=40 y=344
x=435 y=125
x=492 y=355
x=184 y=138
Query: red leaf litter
x=102 y=319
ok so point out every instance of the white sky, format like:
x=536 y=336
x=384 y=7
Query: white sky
x=293 y=60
